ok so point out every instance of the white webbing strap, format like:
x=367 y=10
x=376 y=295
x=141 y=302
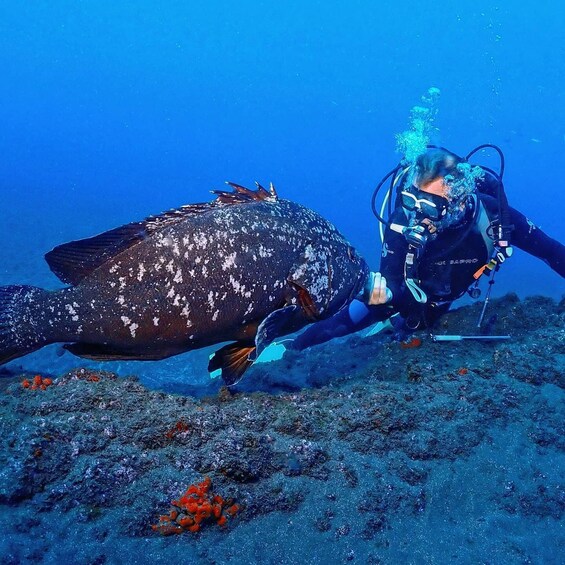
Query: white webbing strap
x=418 y=294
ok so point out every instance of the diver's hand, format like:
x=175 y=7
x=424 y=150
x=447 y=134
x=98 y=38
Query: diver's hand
x=376 y=291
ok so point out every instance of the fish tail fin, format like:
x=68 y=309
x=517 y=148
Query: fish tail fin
x=18 y=332
x=231 y=361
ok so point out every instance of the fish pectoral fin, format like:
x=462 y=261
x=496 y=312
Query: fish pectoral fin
x=107 y=353
x=310 y=279
x=305 y=301
x=231 y=361
x=280 y=322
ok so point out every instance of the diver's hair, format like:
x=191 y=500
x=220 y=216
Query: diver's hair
x=435 y=163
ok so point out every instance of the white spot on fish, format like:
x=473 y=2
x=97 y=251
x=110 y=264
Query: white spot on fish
x=133 y=328
x=229 y=261
x=140 y=272
x=186 y=313
x=235 y=284
x=155 y=321
x=70 y=309
x=200 y=240
x=178 y=276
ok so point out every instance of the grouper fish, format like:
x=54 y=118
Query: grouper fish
x=245 y=268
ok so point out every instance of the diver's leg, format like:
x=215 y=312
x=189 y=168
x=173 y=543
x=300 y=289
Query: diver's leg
x=355 y=317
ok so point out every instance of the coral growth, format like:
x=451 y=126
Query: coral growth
x=194 y=508
x=38 y=382
x=411 y=343
x=180 y=427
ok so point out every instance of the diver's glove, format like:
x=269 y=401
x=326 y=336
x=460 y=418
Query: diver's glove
x=375 y=291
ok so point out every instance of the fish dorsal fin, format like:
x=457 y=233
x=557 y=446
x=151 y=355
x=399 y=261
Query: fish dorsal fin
x=73 y=261
x=242 y=195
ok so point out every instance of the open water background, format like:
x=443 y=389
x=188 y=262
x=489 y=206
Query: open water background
x=111 y=111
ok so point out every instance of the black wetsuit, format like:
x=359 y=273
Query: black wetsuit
x=445 y=271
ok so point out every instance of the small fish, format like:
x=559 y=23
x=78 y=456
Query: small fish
x=245 y=268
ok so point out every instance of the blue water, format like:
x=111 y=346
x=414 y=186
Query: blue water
x=111 y=111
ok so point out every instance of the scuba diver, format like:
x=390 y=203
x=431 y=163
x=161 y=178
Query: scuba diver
x=450 y=225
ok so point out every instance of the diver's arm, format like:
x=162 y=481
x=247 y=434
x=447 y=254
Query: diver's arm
x=533 y=240
x=354 y=318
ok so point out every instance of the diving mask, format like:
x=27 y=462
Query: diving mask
x=425 y=204
x=440 y=211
